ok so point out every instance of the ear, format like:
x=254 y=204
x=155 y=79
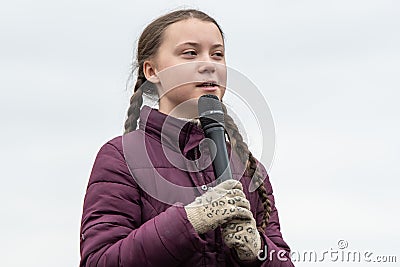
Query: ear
x=149 y=71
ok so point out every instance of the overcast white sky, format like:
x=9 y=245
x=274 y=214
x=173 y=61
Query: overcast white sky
x=328 y=69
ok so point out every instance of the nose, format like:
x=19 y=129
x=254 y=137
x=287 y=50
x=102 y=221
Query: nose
x=206 y=66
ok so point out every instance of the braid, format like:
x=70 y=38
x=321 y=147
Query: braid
x=136 y=102
x=250 y=162
x=262 y=192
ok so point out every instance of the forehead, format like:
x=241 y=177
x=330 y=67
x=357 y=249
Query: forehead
x=194 y=30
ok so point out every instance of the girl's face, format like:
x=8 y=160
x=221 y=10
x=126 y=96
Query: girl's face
x=191 y=53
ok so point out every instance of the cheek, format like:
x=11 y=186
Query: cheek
x=222 y=74
x=176 y=76
x=178 y=94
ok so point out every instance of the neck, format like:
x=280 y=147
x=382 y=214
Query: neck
x=187 y=110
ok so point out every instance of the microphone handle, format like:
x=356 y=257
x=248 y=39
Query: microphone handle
x=222 y=170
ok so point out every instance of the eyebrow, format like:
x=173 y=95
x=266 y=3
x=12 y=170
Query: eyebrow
x=197 y=44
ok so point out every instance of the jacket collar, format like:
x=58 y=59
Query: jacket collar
x=174 y=132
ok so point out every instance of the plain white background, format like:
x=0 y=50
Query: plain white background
x=328 y=69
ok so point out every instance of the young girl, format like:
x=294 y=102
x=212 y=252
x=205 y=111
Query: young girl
x=142 y=206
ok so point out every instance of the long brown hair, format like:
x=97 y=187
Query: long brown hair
x=148 y=44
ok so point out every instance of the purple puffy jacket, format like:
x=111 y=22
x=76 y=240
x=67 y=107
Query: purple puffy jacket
x=124 y=224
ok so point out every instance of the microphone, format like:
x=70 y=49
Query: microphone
x=212 y=121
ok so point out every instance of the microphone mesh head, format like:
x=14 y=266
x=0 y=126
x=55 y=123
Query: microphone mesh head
x=210 y=111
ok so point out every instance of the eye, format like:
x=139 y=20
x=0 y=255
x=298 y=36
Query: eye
x=190 y=53
x=219 y=54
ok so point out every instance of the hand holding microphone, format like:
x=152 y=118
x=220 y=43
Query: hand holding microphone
x=226 y=205
x=219 y=205
x=243 y=236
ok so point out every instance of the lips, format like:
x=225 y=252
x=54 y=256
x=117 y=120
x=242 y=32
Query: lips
x=207 y=84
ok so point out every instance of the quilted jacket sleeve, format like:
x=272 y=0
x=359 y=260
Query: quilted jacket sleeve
x=112 y=233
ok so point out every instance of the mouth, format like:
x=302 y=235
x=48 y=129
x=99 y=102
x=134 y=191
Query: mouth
x=208 y=85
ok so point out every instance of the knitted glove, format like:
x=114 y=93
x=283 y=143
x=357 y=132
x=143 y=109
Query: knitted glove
x=218 y=205
x=243 y=236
